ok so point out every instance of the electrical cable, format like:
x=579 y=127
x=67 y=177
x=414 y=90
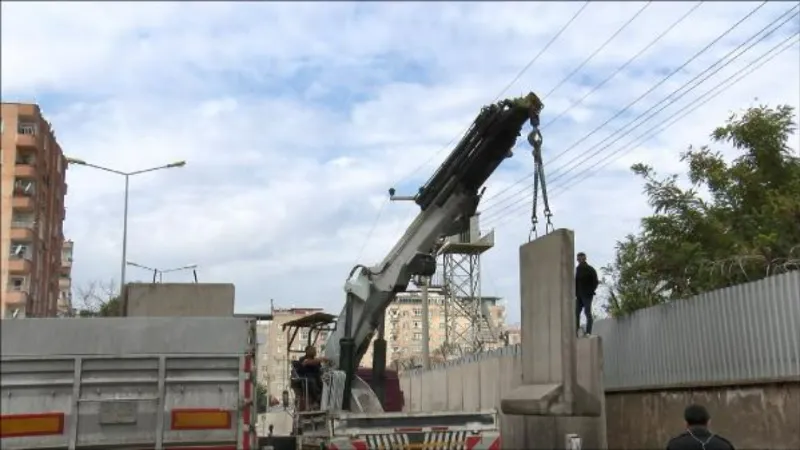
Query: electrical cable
x=522 y=71
x=671 y=121
x=559 y=170
x=602 y=83
x=506 y=88
x=662 y=81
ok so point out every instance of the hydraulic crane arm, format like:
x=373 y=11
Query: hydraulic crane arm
x=447 y=201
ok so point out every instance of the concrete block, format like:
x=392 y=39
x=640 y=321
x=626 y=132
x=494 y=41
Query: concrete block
x=471 y=386
x=405 y=386
x=455 y=390
x=549 y=373
x=490 y=383
x=416 y=393
x=428 y=390
x=438 y=399
x=178 y=299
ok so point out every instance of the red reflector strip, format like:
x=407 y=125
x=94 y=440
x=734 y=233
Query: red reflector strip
x=218 y=447
x=21 y=425
x=408 y=430
x=440 y=428
x=201 y=419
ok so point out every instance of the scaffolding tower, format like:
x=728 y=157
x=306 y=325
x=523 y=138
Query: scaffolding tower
x=469 y=326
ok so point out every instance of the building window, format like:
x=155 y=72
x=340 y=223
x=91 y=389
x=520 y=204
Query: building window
x=417 y=336
x=416 y=324
x=17 y=283
x=442 y=325
x=24 y=187
x=417 y=312
x=20 y=250
x=26 y=128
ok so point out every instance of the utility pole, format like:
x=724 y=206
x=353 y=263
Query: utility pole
x=426 y=335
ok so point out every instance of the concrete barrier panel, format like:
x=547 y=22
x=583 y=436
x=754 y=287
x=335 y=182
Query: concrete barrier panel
x=405 y=386
x=471 y=385
x=490 y=382
x=427 y=389
x=178 y=299
x=455 y=389
x=416 y=393
x=438 y=399
x=512 y=427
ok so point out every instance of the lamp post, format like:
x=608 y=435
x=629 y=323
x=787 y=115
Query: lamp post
x=127 y=176
x=159 y=273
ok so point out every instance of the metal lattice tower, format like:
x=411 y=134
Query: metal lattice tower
x=468 y=323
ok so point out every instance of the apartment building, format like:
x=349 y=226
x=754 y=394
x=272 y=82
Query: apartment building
x=65 y=280
x=273 y=355
x=403 y=327
x=32 y=192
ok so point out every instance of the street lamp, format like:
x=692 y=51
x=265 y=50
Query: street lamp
x=127 y=176
x=159 y=273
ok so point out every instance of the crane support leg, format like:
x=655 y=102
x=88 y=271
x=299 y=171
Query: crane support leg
x=379 y=365
x=348 y=353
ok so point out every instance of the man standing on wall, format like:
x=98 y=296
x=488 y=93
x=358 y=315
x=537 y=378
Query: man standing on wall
x=586 y=283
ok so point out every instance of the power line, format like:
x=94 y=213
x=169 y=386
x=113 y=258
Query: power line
x=587 y=156
x=506 y=88
x=598 y=50
x=663 y=80
x=559 y=170
x=671 y=121
x=524 y=69
x=739 y=75
x=601 y=84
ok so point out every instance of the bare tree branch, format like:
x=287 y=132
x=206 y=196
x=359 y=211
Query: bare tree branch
x=97 y=298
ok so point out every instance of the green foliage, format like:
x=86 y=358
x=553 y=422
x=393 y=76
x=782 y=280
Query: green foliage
x=262 y=399
x=749 y=218
x=98 y=299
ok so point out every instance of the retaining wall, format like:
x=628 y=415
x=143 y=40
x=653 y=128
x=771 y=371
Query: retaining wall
x=735 y=350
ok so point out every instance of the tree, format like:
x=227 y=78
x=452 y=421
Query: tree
x=262 y=399
x=743 y=226
x=98 y=299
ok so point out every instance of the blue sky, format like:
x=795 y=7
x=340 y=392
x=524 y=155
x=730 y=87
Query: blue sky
x=295 y=119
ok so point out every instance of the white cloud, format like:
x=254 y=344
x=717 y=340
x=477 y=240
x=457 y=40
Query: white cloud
x=295 y=119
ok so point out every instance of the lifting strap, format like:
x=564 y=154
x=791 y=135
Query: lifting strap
x=535 y=139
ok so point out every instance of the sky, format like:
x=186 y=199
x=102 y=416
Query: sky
x=296 y=118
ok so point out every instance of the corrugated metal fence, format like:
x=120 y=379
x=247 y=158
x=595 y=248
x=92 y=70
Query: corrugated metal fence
x=743 y=333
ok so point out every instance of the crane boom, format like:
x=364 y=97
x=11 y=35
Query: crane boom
x=447 y=201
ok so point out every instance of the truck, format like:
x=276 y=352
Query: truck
x=128 y=383
x=189 y=382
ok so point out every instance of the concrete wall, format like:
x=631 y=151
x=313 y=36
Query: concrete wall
x=762 y=414
x=479 y=383
x=759 y=415
x=179 y=299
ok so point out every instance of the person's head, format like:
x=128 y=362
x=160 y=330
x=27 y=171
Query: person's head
x=581 y=258
x=311 y=351
x=696 y=416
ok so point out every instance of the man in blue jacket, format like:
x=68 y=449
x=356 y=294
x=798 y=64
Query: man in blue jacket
x=586 y=283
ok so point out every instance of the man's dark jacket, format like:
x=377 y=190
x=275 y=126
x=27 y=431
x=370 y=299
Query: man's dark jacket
x=586 y=280
x=695 y=437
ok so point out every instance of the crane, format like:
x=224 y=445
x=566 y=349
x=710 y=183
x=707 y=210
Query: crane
x=446 y=201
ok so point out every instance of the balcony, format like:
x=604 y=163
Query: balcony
x=19 y=265
x=22 y=203
x=22 y=230
x=24 y=171
x=16 y=298
x=66 y=263
x=26 y=140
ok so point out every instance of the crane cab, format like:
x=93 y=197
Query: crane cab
x=313 y=329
